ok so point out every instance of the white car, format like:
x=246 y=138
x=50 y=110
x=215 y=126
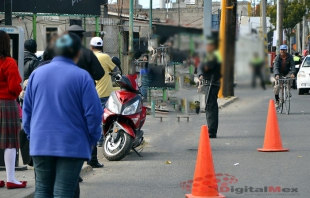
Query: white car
x=303 y=77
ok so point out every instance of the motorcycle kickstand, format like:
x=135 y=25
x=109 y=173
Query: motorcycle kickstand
x=137 y=152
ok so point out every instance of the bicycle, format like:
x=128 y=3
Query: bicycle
x=285 y=95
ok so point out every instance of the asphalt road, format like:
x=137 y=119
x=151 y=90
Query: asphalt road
x=241 y=132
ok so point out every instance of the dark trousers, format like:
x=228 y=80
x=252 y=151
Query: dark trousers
x=257 y=73
x=212 y=109
x=94 y=158
x=56 y=177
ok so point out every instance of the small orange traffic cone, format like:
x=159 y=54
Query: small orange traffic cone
x=204 y=183
x=272 y=142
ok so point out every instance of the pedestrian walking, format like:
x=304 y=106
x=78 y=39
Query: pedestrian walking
x=257 y=64
x=209 y=72
x=104 y=86
x=144 y=71
x=48 y=55
x=61 y=116
x=30 y=59
x=91 y=64
x=9 y=115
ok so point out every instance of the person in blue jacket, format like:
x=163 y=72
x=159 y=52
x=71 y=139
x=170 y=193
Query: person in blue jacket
x=61 y=117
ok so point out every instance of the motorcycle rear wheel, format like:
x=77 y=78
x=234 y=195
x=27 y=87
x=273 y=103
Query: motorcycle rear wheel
x=117 y=151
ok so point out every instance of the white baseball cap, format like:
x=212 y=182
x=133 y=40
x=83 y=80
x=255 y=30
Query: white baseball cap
x=96 y=42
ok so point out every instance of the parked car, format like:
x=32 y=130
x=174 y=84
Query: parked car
x=303 y=77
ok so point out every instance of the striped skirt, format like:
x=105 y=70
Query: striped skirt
x=10 y=125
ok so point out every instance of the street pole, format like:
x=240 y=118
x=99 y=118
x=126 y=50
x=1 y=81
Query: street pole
x=264 y=31
x=279 y=24
x=207 y=18
x=97 y=25
x=8 y=12
x=34 y=24
x=229 y=59
x=151 y=16
x=131 y=67
x=303 y=46
x=222 y=44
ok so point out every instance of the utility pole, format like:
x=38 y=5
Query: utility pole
x=229 y=60
x=264 y=31
x=207 y=18
x=279 y=24
x=8 y=12
x=130 y=65
x=304 y=25
x=151 y=16
x=222 y=44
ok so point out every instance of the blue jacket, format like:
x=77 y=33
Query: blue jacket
x=62 y=112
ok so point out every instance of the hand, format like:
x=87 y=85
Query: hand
x=277 y=77
x=292 y=76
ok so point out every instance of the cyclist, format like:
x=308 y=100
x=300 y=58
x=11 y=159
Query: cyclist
x=284 y=66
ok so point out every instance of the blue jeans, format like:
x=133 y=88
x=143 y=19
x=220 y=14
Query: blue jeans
x=56 y=177
x=103 y=102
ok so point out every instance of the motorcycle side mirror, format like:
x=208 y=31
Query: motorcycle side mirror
x=117 y=62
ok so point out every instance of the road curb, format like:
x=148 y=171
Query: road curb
x=228 y=102
x=85 y=169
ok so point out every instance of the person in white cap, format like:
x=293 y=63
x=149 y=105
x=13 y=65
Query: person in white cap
x=104 y=86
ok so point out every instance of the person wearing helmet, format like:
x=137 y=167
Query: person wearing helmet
x=284 y=66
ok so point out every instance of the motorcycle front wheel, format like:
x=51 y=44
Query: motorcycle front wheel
x=116 y=151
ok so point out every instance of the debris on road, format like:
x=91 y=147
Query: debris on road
x=168 y=162
x=236 y=164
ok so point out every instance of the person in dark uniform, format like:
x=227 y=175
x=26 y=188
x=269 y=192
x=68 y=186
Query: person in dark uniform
x=209 y=71
x=257 y=64
x=297 y=61
x=91 y=64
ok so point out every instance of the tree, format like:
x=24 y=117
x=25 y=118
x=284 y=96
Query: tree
x=257 y=10
x=293 y=11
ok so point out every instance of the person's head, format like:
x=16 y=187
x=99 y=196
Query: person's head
x=30 y=46
x=69 y=46
x=76 y=29
x=49 y=52
x=96 y=44
x=283 y=50
x=212 y=44
x=5 y=44
x=145 y=58
x=296 y=53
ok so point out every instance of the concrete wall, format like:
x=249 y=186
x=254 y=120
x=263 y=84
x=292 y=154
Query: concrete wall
x=61 y=23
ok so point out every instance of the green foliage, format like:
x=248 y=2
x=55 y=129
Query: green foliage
x=293 y=11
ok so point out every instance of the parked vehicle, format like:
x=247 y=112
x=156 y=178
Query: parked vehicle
x=303 y=77
x=123 y=118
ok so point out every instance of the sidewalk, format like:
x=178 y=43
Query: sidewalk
x=27 y=175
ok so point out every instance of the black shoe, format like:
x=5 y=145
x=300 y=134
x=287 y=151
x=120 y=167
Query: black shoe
x=80 y=179
x=212 y=136
x=95 y=165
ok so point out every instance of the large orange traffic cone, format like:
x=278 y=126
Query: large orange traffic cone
x=272 y=142
x=204 y=183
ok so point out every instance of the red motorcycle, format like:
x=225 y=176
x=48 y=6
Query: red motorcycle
x=123 y=118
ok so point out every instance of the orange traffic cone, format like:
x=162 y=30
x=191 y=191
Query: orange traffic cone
x=272 y=142
x=204 y=183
